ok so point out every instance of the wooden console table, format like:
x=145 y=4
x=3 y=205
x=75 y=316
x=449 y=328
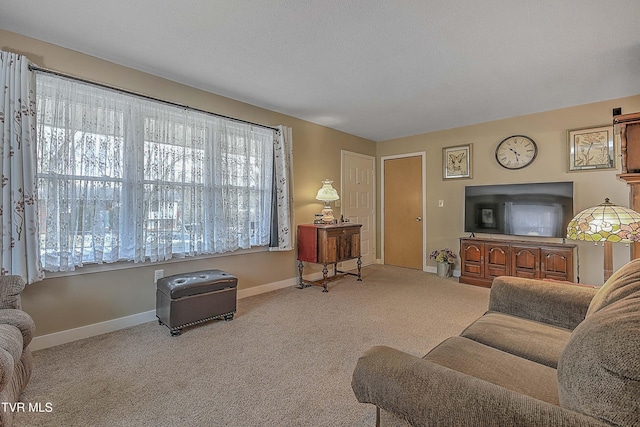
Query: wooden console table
x=328 y=244
x=484 y=259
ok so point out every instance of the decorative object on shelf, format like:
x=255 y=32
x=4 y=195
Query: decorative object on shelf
x=456 y=162
x=516 y=152
x=591 y=148
x=327 y=194
x=444 y=258
x=627 y=127
x=606 y=223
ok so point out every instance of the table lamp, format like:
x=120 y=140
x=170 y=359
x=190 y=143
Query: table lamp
x=327 y=194
x=606 y=223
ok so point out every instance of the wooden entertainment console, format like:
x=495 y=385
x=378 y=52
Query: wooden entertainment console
x=483 y=259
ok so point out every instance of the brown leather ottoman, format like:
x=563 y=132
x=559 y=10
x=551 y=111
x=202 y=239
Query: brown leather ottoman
x=190 y=298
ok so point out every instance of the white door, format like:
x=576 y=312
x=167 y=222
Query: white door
x=358 y=201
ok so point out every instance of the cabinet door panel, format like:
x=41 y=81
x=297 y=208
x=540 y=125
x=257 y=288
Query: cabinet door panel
x=557 y=264
x=497 y=260
x=525 y=261
x=472 y=259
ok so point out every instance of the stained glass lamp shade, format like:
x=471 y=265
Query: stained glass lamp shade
x=607 y=223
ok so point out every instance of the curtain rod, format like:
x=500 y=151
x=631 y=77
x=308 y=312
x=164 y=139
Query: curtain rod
x=140 y=95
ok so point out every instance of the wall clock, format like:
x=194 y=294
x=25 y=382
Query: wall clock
x=516 y=152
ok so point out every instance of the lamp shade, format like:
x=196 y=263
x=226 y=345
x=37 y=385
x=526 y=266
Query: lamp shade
x=605 y=223
x=327 y=193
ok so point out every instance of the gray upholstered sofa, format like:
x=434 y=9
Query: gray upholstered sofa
x=16 y=332
x=545 y=354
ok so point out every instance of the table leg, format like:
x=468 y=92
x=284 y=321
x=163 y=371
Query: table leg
x=324 y=277
x=300 y=268
x=359 y=262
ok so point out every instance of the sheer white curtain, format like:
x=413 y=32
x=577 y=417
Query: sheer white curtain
x=83 y=133
x=176 y=143
x=126 y=178
x=240 y=187
x=18 y=207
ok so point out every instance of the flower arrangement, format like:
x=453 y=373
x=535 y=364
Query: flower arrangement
x=443 y=255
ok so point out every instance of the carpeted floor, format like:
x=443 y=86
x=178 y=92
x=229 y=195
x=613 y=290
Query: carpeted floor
x=285 y=360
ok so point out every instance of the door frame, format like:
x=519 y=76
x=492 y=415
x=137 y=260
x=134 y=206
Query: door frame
x=373 y=195
x=423 y=156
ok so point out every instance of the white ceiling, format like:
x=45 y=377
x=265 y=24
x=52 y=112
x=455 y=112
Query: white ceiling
x=373 y=68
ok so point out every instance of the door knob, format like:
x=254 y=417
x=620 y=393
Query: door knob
x=419 y=219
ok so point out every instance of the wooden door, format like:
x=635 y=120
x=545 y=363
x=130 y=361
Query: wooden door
x=403 y=206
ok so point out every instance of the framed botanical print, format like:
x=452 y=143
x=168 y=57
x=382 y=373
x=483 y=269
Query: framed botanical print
x=591 y=148
x=456 y=162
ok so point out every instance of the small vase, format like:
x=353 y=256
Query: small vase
x=444 y=269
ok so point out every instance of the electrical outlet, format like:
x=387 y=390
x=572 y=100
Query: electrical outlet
x=159 y=274
x=441 y=203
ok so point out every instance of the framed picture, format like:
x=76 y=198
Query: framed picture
x=456 y=162
x=591 y=148
x=486 y=216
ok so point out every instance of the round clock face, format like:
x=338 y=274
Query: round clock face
x=516 y=152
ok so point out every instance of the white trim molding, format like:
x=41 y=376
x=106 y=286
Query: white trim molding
x=75 y=334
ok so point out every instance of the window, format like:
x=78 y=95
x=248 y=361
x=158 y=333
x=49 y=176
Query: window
x=125 y=178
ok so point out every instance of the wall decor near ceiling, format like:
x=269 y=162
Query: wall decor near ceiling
x=457 y=162
x=591 y=148
x=516 y=152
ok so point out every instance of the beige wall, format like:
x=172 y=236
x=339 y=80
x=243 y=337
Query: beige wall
x=549 y=130
x=67 y=302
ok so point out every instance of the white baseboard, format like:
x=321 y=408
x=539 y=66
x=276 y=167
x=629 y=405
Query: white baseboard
x=63 y=337
x=454 y=273
x=269 y=287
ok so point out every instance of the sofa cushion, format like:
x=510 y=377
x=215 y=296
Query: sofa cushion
x=10 y=352
x=552 y=303
x=599 y=369
x=497 y=367
x=623 y=282
x=534 y=341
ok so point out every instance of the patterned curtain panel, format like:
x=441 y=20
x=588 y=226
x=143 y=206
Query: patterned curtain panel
x=281 y=236
x=18 y=208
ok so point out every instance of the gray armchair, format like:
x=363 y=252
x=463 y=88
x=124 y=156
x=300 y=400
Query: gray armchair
x=16 y=331
x=545 y=354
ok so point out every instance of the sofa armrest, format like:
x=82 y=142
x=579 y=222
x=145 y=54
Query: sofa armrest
x=425 y=393
x=21 y=320
x=557 y=304
x=10 y=288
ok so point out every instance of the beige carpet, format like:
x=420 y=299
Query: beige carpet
x=285 y=360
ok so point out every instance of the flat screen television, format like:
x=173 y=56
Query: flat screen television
x=540 y=209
